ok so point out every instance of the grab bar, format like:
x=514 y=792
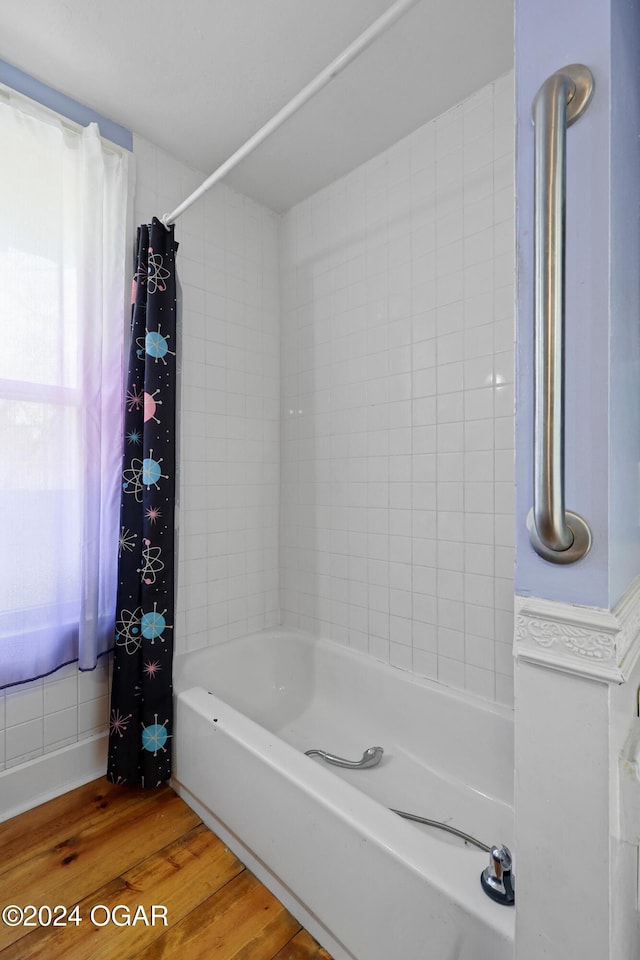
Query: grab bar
x=370 y=758
x=556 y=534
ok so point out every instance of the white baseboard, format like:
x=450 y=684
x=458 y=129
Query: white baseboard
x=30 y=784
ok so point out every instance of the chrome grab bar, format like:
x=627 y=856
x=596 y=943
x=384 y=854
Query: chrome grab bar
x=556 y=534
x=370 y=758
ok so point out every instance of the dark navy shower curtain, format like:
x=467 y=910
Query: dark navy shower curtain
x=141 y=716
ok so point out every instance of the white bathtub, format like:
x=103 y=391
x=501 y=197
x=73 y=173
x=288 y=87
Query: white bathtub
x=367 y=884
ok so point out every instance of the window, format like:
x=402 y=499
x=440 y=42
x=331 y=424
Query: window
x=63 y=217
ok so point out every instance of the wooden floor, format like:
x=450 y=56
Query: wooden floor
x=101 y=847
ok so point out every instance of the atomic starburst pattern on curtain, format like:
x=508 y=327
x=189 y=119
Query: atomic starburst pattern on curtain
x=141 y=718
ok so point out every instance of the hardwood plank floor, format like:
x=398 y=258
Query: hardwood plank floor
x=106 y=856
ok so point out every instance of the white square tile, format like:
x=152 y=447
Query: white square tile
x=450 y=585
x=504 y=367
x=504 y=433
x=424 y=411
x=425 y=611
x=479 y=466
x=449 y=132
x=478 y=153
x=379 y=648
x=93 y=715
x=450 y=229
x=425 y=664
x=479 y=340
x=24 y=740
x=400 y=656
x=378 y=625
x=450 y=348
x=448 y=258
x=451 y=643
x=450 y=496
x=504 y=400
x=481 y=214
x=478 y=589
x=424 y=552
x=449 y=171
x=479 y=558
x=422 y=147
x=504 y=690
x=450 y=525
x=450 y=407
x=60 y=695
x=24 y=703
x=61 y=728
x=479 y=528
x=478 y=404
x=424 y=580
x=400 y=631
x=450 y=555
x=505 y=497
x=479 y=278
x=480 y=681
x=478 y=113
x=451 y=672
x=504 y=240
x=504 y=530
x=450 y=318
x=479 y=497
x=504 y=659
x=480 y=310
x=479 y=434
x=479 y=620
x=450 y=437
x=479 y=247
x=479 y=372
x=503 y=594
x=425 y=637
x=451 y=613
x=503 y=205
x=479 y=651
x=424 y=382
x=450 y=466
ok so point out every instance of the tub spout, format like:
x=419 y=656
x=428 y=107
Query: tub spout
x=370 y=758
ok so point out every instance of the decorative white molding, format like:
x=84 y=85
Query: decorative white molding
x=589 y=641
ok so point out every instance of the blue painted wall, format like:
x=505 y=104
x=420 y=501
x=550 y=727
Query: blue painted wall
x=624 y=426
x=602 y=373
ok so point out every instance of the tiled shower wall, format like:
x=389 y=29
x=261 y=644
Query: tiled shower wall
x=229 y=479
x=397 y=402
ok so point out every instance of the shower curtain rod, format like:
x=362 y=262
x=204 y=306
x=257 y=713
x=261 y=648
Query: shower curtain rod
x=321 y=80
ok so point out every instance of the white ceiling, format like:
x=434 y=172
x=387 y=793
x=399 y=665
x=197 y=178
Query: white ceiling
x=199 y=77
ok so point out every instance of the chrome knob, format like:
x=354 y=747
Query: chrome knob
x=496 y=879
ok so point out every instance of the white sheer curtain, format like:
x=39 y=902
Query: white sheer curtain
x=63 y=233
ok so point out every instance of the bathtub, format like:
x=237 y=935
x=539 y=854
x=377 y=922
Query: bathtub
x=367 y=884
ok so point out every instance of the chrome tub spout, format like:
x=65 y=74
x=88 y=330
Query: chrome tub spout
x=370 y=758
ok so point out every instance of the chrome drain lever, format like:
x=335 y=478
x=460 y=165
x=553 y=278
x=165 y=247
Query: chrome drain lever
x=370 y=758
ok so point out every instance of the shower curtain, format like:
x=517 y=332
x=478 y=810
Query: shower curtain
x=141 y=700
